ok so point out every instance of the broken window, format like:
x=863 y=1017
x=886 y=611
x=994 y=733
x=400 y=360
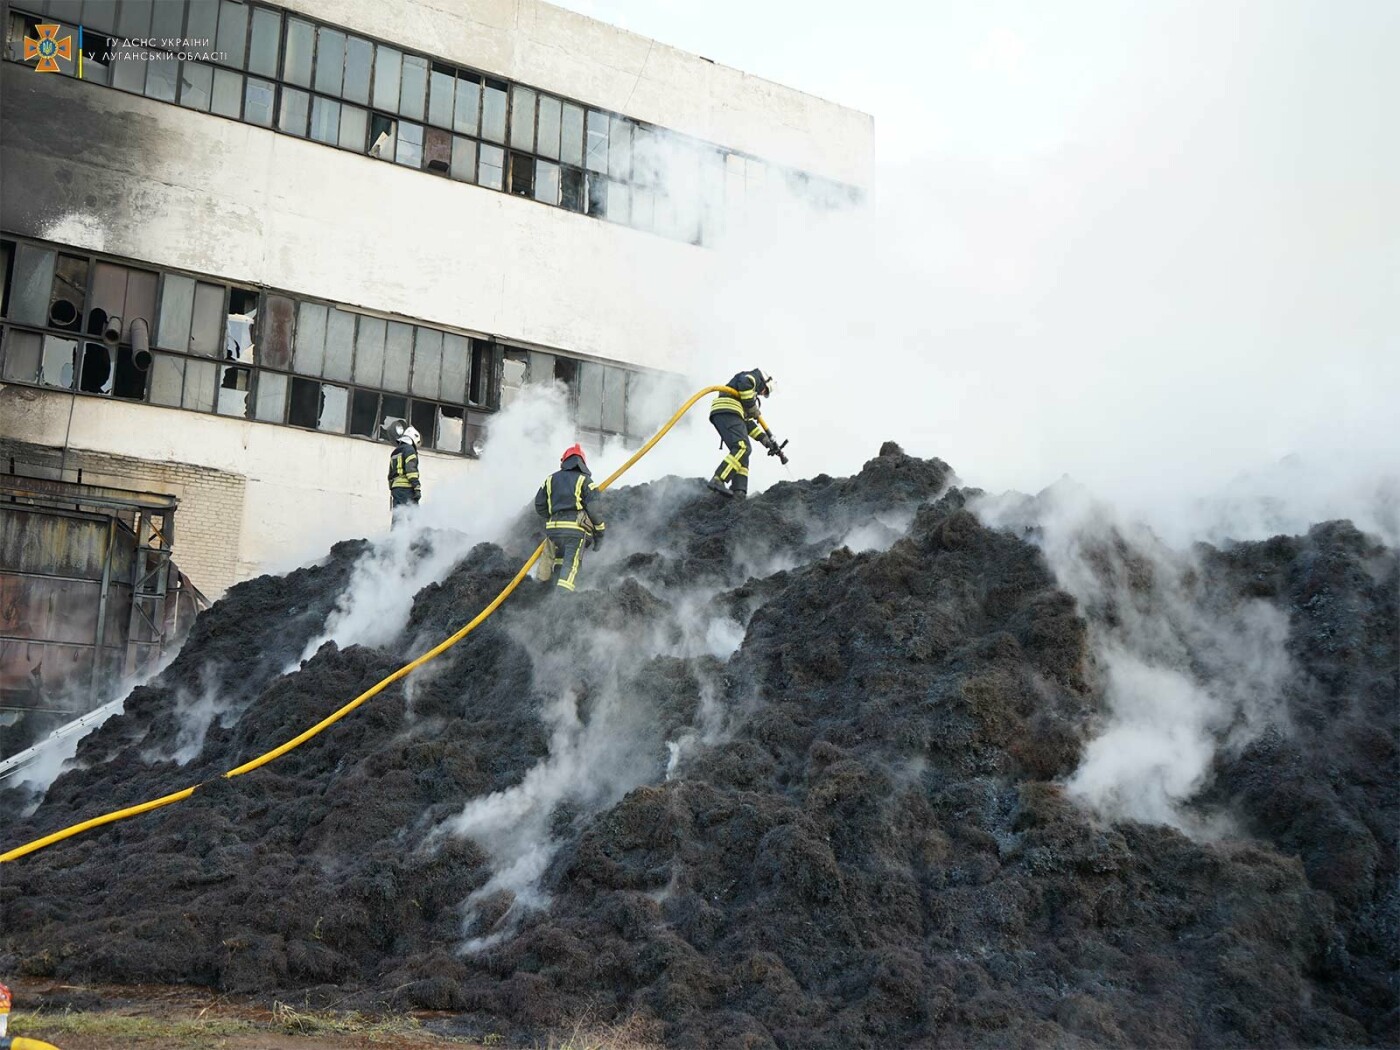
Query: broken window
x=565 y=373
x=620 y=148
x=398 y=353
x=391 y=407
x=441 y=87
x=571 y=189
x=263 y=42
x=196 y=85
x=451 y=423
x=233 y=391
x=409 y=151
x=130 y=379
x=21 y=356
x=427 y=363
x=359 y=59
x=423 y=416
x=382 y=131
x=388 y=64
x=364 y=413
x=304 y=409
x=167 y=379
x=492 y=165
x=483 y=364
x=270 y=397
x=232 y=38
x=227 y=97
x=296 y=106
x=522 y=174
x=258 y=98
x=325 y=120
x=515 y=366
x=571 y=135
x=463 y=159
x=330 y=60
x=279 y=332
x=119 y=292
x=176 y=312
x=335 y=408
x=162 y=77
x=541 y=368
x=201 y=385
x=522 y=118
x=547 y=141
x=69 y=293
x=437 y=150
x=597 y=156
x=239 y=326
x=493 y=111
x=340 y=344
x=466 y=114
x=369 y=351
x=456 y=365
x=415 y=87
x=301 y=40
x=546 y=182
x=597 y=196
x=32 y=285
x=354 y=122
x=475 y=438
x=309 y=358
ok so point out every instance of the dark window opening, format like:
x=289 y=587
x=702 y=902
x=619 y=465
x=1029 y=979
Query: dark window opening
x=424 y=419
x=305 y=409
x=95 y=377
x=566 y=372
x=597 y=196
x=364 y=413
x=130 y=379
x=483 y=359
x=571 y=189
x=7 y=258
x=240 y=326
x=381 y=136
x=522 y=175
x=391 y=407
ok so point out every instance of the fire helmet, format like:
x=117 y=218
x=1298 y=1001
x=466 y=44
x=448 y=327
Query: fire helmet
x=411 y=434
x=573 y=450
x=765 y=383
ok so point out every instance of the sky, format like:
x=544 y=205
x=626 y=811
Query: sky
x=1153 y=246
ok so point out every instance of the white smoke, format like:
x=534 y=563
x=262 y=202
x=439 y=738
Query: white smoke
x=1185 y=672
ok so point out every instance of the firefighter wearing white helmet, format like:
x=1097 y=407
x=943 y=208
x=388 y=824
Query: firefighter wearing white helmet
x=405 y=486
x=737 y=418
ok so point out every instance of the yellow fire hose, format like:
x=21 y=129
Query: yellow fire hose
x=374 y=690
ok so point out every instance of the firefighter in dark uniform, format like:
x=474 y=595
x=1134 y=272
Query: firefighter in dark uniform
x=405 y=487
x=566 y=501
x=736 y=419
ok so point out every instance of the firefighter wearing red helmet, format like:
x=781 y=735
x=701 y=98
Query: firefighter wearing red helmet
x=737 y=420
x=567 y=503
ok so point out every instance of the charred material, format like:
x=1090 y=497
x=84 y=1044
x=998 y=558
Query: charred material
x=764 y=790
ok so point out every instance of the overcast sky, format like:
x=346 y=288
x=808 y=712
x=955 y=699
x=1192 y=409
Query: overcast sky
x=1151 y=244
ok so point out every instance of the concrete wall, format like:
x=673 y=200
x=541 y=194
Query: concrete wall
x=252 y=496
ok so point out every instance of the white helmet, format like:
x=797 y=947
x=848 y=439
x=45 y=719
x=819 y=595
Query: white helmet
x=411 y=434
x=765 y=383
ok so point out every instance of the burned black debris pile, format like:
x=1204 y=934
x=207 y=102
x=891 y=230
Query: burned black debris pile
x=784 y=773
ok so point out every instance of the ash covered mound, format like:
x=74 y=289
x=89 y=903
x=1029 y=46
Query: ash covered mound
x=787 y=772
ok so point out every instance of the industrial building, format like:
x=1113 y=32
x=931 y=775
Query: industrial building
x=237 y=238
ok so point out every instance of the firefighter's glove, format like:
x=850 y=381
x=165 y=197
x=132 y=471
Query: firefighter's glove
x=598 y=541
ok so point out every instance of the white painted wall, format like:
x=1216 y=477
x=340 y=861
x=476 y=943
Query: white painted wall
x=561 y=51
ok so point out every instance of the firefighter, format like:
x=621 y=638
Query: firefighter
x=571 y=522
x=737 y=420
x=405 y=488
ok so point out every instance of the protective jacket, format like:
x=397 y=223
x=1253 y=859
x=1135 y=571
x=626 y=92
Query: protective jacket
x=567 y=503
x=747 y=405
x=403 y=471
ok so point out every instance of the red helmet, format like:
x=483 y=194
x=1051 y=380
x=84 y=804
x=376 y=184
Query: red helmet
x=574 y=450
